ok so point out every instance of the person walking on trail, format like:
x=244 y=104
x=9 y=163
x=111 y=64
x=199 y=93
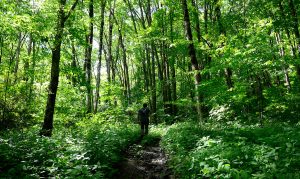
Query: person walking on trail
x=143 y=116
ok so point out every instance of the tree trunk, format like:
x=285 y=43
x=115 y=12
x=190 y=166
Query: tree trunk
x=173 y=70
x=287 y=31
x=192 y=54
x=222 y=31
x=153 y=86
x=26 y=60
x=88 y=72
x=142 y=14
x=1 y=47
x=131 y=14
x=74 y=64
x=126 y=74
x=295 y=25
x=109 y=48
x=49 y=112
x=32 y=70
x=284 y=65
x=103 y=3
x=18 y=51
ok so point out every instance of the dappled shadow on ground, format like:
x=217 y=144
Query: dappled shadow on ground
x=147 y=162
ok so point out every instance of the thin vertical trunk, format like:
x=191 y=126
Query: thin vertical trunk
x=193 y=57
x=206 y=55
x=153 y=85
x=131 y=14
x=89 y=58
x=197 y=25
x=103 y=3
x=26 y=60
x=73 y=64
x=172 y=67
x=287 y=31
x=142 y=14
x=49 y=112
x=1 y=47
x=18 y=51
x=284 y=66
x=222 y=31
x=32 y=70
x=145 y=71
x=295 y=24
x=125 y=65
x=109 y=50
x=205 y=16
x=148 y=13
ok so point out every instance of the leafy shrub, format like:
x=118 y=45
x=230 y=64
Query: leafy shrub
x=233 y=151
x=88 y=150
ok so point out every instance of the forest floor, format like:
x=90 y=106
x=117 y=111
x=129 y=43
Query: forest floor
x=146 y=161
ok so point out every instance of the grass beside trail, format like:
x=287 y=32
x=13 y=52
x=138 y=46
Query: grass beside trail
x=233 y=150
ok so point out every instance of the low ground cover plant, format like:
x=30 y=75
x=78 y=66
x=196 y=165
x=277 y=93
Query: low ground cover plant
x=233 y=150
x=87 y=150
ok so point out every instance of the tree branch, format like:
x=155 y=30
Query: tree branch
x=72 y=9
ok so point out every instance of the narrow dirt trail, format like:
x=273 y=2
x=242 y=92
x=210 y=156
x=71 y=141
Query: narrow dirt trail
x=144 y=163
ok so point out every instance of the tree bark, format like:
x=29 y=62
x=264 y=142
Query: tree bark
x=1 y=48
x=125 y=66
x=284 y=65
x=109 y=48
x=49 y=112
x=172 y=68
x=103 y=3
x=73 y=64
x=295 y=25
x=131 y=14
x=26 y=60
x=88 y=72
x=18 y=51
x=192 y=54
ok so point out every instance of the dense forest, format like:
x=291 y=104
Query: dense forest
x=221 y=79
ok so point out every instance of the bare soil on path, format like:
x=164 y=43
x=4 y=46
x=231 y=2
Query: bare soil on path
x=144 y=162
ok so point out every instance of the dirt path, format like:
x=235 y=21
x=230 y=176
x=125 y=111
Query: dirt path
x=144 y=162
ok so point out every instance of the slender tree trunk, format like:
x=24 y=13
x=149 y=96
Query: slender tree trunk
x=142 y=14
x=18 y=51
x=145 y=71
x=109 y=50
x=148 y=13
x=74 y=64
x=32 y=70
x=126 y=74
x=193 y=57
x=103 y=3
x=131 y=13
x=222 y=31
x=88 y=72
x=295 y=24
x=26 y=60
x=1 y=48
x=287 y=31
x=153 y=86
x=49 y=112
x=284 y=66
x=172 y=67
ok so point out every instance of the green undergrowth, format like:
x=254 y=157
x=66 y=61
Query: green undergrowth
x=233 y=150
x=89 y=150
x=154 y=136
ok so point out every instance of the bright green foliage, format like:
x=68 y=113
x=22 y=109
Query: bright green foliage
x=233 y=150
x=88 y=150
